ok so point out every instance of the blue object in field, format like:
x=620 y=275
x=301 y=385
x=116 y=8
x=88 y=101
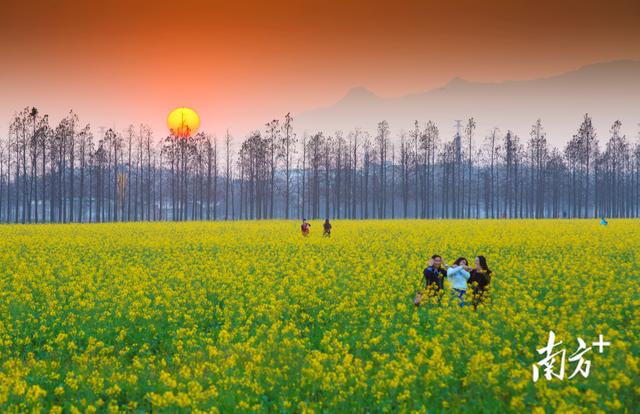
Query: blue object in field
x=603 y=221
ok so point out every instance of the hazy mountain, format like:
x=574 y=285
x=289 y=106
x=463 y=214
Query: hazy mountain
x=607 y=91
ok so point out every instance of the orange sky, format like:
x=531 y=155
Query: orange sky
x=242 y=63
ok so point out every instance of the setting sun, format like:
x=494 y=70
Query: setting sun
x=183 y=122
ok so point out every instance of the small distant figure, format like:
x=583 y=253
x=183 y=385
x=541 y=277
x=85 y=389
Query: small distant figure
x=305 y=227
x=604 y=221
x=327 y=228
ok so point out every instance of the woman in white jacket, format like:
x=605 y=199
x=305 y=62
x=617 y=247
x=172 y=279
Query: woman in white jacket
x=458 y=274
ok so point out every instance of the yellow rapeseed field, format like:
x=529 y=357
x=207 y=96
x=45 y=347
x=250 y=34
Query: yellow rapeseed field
x=253 y=317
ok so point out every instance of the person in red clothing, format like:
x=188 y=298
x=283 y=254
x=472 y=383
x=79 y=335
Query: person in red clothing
x=305 y=227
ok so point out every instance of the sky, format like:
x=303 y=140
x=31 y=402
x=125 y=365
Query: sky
x=243 y=63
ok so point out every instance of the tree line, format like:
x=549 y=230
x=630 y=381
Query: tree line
x=70 y=173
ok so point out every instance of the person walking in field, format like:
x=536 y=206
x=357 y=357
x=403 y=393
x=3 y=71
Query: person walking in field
x=458 y=274
x=434 y=275
x=304 y=227
x=327 y=228
x=479 y=280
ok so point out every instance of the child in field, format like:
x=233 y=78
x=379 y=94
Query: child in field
x=458 y=274
x=327 y=228
x=479 y=280
x=305 y=227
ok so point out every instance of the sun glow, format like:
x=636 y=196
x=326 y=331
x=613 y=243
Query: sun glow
x=183 y=122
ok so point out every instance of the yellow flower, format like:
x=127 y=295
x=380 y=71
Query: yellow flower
x=249 y=316
x=34 y=393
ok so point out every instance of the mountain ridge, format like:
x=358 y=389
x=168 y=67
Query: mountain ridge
x=607 y=90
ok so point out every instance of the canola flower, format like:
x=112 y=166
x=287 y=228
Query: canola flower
x=252 y=317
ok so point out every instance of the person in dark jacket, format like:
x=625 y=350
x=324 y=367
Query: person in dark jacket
x=327 y=228
x=479 y=280
x=434 y=275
